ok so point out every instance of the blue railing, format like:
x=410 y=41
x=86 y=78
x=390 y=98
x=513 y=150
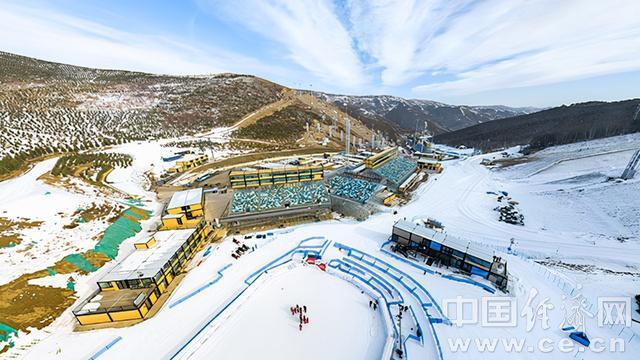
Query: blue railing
x=305 y=250
x=361 y=255
x=347 y=269
x=316 y=250
x=201 y=288
x=376 y=263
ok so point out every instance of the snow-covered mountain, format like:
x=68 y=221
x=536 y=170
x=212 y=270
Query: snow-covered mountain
x=555 y=126
x=409 y=114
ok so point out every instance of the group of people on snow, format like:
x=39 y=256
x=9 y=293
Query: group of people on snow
x=302 y=314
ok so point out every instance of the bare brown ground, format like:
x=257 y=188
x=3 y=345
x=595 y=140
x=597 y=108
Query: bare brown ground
x=503 y=163
x=9 y=228
x=23 y=305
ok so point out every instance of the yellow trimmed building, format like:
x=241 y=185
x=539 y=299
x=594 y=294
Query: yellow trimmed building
x=379 y=159
x=241 y=179
x=430 y=165
x=190 y=161
x=133 y=286
x=185 y=210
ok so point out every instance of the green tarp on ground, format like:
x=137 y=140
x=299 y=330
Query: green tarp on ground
x=133 y=202
x=115 y=234
x=6 y=331
x=51 y=271
x=80 y=262
x=121 y=229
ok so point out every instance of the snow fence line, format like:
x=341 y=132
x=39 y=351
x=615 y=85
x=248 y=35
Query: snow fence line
x=362 y=283
x=434 y=335
x=424 y=305
x=105 y=348
x=399 y=276
x=386 y=290
x=201 y=288
x=349 y=266
x=429 y=271
x=317 y=250
x=305 y=250
x=373 y=276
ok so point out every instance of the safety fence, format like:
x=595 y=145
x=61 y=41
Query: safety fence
x=388 y=291
x=306 y=250
x=375 y=293
x=416 y=289
x=201 y=288
x=385 y=294
x=572 y=290
x=413 y=286
x=302 y=248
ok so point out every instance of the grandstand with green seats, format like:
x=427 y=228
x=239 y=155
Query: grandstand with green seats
x=277 y=202
x=396 y=171
x=355 y=189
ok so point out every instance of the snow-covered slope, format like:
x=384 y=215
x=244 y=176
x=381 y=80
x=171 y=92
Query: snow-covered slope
x=408 y=114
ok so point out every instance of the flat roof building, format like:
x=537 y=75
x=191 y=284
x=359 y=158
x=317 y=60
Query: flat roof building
x=134 y=285
x=185 y=209
x=146 y=263
x=412 y=239
x=182 y=200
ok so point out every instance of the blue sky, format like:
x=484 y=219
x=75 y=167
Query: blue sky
x=511 y=52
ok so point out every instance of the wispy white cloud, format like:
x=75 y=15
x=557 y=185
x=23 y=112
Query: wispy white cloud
x=493 y=44
x=395 y=33
x=309 y=31
x=431 y=48
x=55 y=36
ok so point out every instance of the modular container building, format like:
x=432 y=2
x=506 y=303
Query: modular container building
x=450 y=251
x=241 y=179
x=185 y=209
x=379 y=159
x=189 y=162
x=134 y=285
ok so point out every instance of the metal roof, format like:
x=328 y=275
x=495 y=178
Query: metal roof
x=145 y=263
x=185 y=198
x=445 y=239
x=190 y=157
x=427 y=161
